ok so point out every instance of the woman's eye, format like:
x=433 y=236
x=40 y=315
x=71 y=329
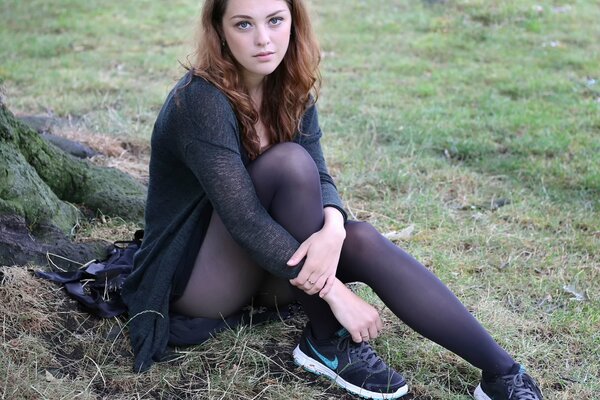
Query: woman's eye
x=243 y=25
x=276 y=20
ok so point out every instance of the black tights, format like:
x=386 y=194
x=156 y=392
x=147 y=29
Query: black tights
x=287 y=182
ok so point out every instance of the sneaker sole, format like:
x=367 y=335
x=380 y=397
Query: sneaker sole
x=479 y=394
x=314 y=366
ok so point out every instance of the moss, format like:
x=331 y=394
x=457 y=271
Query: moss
x=39 y=180
x=11 y=207
x=24 y=193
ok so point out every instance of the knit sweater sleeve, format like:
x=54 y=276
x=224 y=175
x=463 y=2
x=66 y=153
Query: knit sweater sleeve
x=310 y=139
x=208 y=140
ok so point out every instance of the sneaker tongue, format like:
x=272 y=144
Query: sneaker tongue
x=523 y=390
x=516 y=369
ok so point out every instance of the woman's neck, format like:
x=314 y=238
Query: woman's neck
x=256 y=94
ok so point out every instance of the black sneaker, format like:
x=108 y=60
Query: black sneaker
x=354 y=366
x=516 y=386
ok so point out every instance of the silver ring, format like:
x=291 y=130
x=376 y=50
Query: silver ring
x=311 y=282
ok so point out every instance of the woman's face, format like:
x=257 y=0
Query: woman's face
x=257 y=33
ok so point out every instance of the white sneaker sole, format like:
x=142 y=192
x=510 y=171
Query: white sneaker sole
x=478 y=394
x=316 y=367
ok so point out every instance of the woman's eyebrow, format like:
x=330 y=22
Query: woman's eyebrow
x=249 y=17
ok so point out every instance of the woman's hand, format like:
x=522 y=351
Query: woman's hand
x=322 y=251
x=359 y=318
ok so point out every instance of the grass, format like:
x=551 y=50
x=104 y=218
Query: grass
x=476 y=122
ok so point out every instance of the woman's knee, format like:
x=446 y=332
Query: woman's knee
x=365 y=244
x=360 y=235
x=288 y=161
x=360 y=230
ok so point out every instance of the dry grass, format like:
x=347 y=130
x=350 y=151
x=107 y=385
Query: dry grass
x=52 y=350
x=34 y=328
x=131 y=156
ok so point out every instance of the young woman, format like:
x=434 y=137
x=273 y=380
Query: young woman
x=241 y=207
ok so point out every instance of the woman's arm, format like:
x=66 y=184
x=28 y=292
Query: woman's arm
x=310 y=139
x=334 y=219
x=322 y=251
x=204 y=127
x=356 y=315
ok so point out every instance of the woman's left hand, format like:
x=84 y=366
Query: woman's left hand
x=322 y=251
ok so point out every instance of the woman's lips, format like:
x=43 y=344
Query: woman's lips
x=264 y=56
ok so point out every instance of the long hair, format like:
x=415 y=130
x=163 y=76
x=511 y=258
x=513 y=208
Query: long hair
x=287 y=90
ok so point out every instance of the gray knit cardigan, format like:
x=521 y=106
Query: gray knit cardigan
x=198 y=165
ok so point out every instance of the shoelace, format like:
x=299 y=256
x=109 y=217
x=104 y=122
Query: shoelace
x=362 y=350
x=521 y=387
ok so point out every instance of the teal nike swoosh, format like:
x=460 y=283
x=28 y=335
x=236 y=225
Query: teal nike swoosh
x=331 y=364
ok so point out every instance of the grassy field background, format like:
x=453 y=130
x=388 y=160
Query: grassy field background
x=474 y=125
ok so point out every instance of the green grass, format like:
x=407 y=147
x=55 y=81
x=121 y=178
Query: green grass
x=432 y=112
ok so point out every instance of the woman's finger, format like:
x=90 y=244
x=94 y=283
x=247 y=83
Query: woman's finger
x=307 y=286
x=379 y=324
x=373 y=332
x=315 y=286
x=356 y=336
x=302 y=277
x=299 y=254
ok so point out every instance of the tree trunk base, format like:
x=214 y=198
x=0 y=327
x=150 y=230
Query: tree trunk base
x=41 y=187
x=46 y=245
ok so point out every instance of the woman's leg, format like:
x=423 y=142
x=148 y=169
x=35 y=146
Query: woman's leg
x=287 y=183
x=418 y=297
x=224 y=278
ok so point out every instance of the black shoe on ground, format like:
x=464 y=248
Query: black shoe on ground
x=354 y=366
x=515 y=386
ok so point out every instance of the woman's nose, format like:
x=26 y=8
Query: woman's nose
x=262 y=36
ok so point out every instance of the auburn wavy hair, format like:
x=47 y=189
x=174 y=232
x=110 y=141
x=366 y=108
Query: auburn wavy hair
x=287 y=90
